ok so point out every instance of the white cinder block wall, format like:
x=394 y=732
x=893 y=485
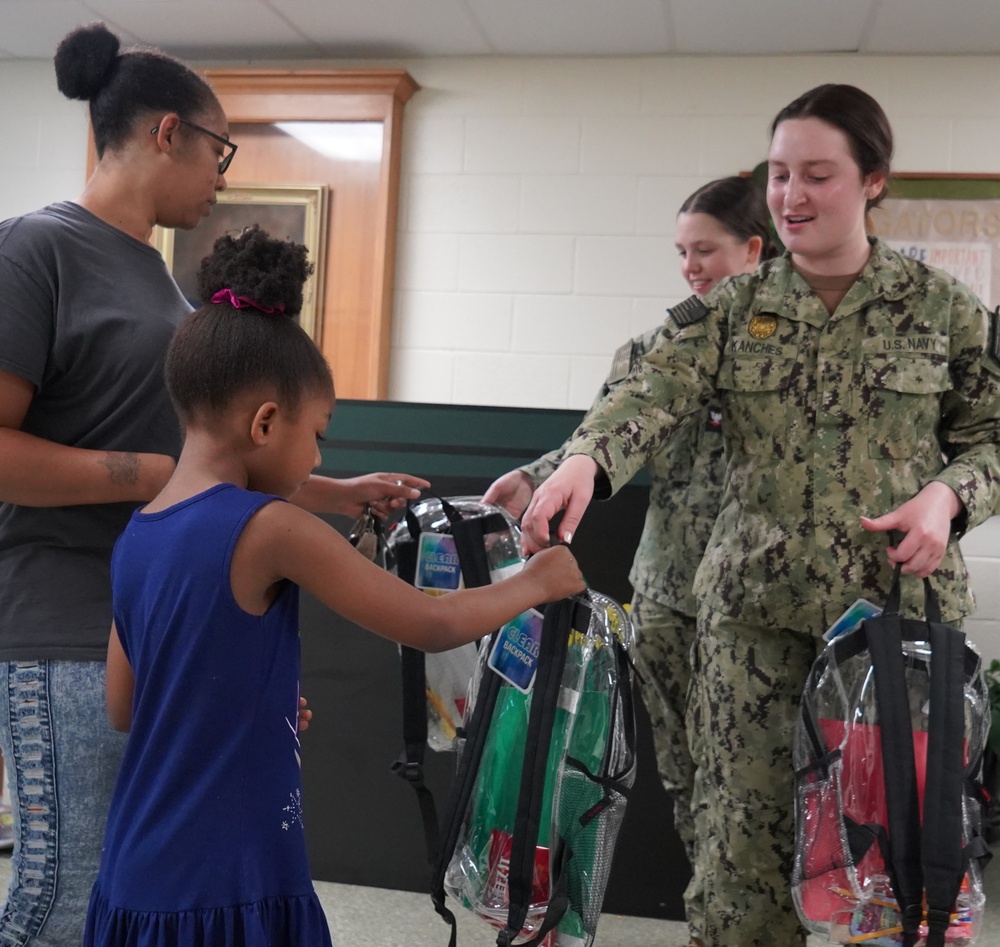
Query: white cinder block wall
x=539 y=196
x=538 y=199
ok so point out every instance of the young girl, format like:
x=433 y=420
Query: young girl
x=861 y=394
x=204 y=844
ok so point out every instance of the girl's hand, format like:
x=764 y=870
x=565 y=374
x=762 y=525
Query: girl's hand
x=512 y=491
x=926 y=521
x=305 y=715
x=556 y=572
x=570 y=488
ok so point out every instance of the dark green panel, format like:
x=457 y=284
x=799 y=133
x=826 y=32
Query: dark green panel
x=963 y=189
x=438 y=439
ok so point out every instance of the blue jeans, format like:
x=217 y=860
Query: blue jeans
x=62 y=758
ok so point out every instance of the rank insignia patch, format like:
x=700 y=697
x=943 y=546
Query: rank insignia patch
x=763 y=326
x=689 y=312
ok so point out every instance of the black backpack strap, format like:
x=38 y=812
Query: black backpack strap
x=898 y=764
x=556 y=625
x=944 y=862
x=410 y=766
x=561 y=851
x=820 y=755
x=469 y=535
x=558 y=896
x=465 y=781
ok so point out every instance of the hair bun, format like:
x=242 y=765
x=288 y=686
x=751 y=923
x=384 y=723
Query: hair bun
x=269 y=271
x=85 y=59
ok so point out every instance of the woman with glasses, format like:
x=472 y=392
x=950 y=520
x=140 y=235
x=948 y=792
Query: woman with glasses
x=87 y=432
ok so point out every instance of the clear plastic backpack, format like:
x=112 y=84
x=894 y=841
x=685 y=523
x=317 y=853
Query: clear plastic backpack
x=544 y=772
x=889 y=812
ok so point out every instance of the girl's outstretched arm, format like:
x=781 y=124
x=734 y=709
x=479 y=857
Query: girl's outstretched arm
x=119 y=684
x=284 y=542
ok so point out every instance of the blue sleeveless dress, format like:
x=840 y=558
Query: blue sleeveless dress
x=204 y=844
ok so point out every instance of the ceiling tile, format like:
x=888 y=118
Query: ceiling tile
x=768 y=26
x=386 y=28
x=193 y=28
x=31 y=29
x=574 y=27
x=931 y=26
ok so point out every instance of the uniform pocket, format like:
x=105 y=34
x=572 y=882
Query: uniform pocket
x=902 y=399
x=754 y=391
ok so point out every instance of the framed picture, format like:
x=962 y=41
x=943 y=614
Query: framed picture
x=951 y=221
x=284 y=211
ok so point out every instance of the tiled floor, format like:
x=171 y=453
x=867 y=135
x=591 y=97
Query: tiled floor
x=372 y=917
x=377 y=917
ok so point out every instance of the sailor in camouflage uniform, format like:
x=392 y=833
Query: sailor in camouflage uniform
x=722 y=230
x=684 y=495
x=887 y=407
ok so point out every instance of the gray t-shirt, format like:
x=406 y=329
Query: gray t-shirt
x=86 y=314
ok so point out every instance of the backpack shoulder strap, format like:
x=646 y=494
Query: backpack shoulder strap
x=899 y=768
x=465 y=781
x=556 y=625
x=943 y=857
x=410 y=766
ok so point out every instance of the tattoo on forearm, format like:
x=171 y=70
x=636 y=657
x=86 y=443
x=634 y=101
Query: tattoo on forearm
x=123 y=467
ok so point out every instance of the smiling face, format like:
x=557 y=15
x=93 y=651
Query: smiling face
x=709 y=252
x=817 y=196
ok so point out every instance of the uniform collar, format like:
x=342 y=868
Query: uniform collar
x=786 y=294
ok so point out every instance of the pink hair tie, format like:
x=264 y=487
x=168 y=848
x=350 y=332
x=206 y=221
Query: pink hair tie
x=243 y=302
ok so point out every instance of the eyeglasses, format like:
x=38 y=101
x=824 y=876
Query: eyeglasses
x=227 y=159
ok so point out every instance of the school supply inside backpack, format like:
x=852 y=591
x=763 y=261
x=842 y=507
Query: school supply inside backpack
x=544 y=773
x=439 y=546
x=444 y=544
x=889 y=812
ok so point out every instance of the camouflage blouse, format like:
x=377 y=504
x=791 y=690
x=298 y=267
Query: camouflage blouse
x=825 y=418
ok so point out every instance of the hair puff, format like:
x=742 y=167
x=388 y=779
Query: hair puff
x=270 y=271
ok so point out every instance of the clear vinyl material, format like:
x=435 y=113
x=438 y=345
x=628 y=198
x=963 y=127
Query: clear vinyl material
x=448 y=673
x=590 y=767
x=840 y=882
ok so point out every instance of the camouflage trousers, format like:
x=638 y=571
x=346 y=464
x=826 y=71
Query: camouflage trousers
x=746 y=687
x=664 y=639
